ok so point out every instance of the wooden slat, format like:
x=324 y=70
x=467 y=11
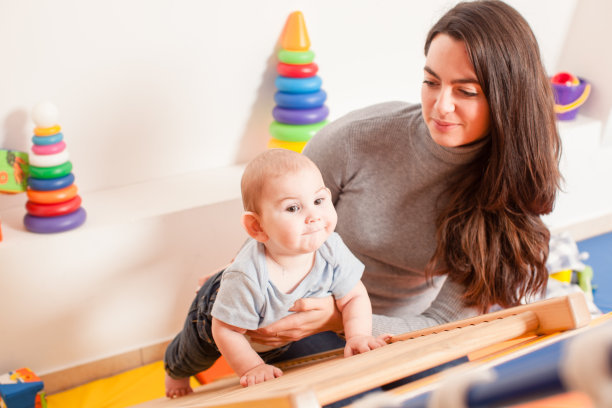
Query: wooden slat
x=555 y=314
x=338 y=378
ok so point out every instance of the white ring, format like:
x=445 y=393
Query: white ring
x=48 y=160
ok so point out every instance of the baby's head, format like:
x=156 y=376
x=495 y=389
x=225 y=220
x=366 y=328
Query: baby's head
x=286 y=202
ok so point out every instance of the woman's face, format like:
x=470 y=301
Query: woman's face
x=455 y=109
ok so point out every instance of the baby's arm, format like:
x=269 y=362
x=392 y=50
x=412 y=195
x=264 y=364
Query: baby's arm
x=240 y=355
x=357 y=319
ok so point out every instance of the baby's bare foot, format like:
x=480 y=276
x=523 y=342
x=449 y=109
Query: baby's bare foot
x=177 y=387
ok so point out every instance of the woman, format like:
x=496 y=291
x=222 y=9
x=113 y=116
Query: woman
x=448 y=192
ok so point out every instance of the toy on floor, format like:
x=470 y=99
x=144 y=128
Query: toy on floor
x=570 y=93
x=53 y=201
x=21 y=389
x=14 y=171
x=300 y=111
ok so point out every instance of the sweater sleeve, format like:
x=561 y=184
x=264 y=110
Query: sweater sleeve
x=446 y=307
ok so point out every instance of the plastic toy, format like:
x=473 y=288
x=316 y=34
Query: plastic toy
x=570 y=93
x=47 y=140
x=51 y=210
x=295 y=36
x=52 y=183
x=300 y=101
x=49 y=160
x=51 y=172
x=49 y=149
x=54 y=205
x=300 y=111
x=14 y=171
x=21 y=389
x=300 y=116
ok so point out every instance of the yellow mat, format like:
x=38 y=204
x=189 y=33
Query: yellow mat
x=133 y=387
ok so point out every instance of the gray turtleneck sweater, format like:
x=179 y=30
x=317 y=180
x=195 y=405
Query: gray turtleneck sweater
x=386 y=175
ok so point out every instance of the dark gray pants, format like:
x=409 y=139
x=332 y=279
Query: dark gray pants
x=193 y=350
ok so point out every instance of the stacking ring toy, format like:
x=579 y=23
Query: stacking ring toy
x=294 y=133
x=295 y=57
x=49 y=149
x=47 y=140
x=297 y=71
x=50 y=184
x=52 y=196
x=52 y=210
x=51 y=172
x=298 y=85
x=49 y=131
x=279 y=144
x=49 y=160
x=60 y=223
x=300 y=101
x=300 y=116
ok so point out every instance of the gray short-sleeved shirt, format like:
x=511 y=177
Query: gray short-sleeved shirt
x=248 y=299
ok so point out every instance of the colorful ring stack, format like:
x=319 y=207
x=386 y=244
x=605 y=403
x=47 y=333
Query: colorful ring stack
x=53 y=203
x=300 y=111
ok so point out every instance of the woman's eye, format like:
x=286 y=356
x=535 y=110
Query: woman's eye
x=468 y=93
x=293 y=208
x=318 y=201
x=428 y=83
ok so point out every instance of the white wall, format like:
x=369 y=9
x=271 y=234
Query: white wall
x=152 y=89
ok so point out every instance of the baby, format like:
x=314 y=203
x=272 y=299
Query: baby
x=293 y=253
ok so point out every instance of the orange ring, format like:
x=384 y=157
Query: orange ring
x=38 y=131
x=52 y=196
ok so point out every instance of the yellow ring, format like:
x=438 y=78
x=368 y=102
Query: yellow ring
x=280 y=144
x=49 y=131
x=576 y=103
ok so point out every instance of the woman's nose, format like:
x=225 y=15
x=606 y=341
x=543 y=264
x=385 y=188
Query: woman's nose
x=445 y=102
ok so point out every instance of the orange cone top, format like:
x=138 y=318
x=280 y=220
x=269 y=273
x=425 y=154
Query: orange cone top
x=295 y=35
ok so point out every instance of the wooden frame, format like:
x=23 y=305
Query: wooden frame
x=332 y=378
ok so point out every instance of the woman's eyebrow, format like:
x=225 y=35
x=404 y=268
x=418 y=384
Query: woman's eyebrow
x=454 y=81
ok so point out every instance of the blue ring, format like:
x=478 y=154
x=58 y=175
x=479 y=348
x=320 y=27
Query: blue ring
x=47 y=140
x=298 y=85
x=60 y=223
x=300 y=101
x=300 y=116
x=52 y=183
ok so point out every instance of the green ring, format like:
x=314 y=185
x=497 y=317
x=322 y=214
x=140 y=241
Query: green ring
x=60 y=170
x=295 y=57
x=295 y=133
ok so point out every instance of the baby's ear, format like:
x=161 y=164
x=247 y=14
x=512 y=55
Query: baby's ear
x=251 y=224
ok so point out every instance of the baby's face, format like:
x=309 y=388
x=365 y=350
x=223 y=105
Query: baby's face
x=296 y=212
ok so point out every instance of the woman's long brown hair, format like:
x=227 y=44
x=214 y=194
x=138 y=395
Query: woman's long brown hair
x=490 y=237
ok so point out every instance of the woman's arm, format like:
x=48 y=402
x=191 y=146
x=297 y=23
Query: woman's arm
x=312 y=315
x=447 y=307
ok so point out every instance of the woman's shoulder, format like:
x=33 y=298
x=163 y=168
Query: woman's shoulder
x=382 y=113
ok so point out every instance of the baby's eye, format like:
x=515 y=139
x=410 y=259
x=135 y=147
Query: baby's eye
x=293 y=208
x=318 y=201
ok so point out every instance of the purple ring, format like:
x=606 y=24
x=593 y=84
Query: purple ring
x=60 y=223
x=300 y=116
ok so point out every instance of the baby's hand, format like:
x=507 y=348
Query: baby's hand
x=361 y=344
x=260 y=373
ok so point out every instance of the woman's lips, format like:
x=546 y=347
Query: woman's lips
x=443 y=125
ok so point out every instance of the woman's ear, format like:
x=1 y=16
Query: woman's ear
x=251 y=224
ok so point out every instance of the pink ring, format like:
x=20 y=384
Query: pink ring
x=49 y=149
